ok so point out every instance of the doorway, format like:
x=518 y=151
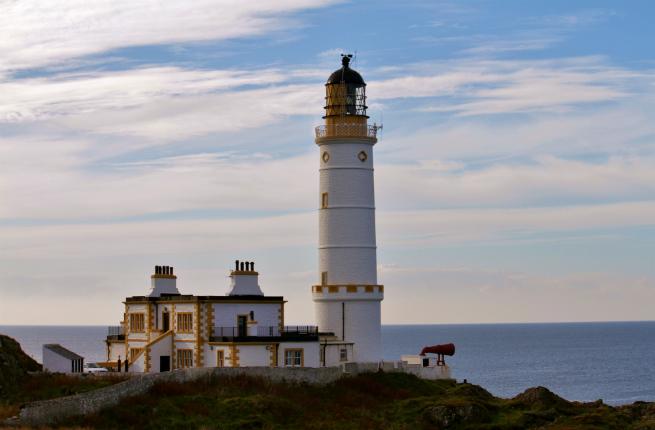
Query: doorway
x=242 y=325
x=220 y=359
x=164 y=363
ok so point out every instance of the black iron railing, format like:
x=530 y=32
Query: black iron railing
x=300 y=330
x=117 y=330
x=265 y=331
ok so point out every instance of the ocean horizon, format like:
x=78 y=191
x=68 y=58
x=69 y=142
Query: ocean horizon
x=582 y=361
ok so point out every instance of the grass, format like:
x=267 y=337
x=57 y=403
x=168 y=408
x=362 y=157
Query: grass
x=369 y=401
x=391 y=401
x=43 y=386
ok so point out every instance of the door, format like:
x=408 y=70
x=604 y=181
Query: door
x=220 y=359
x=166 y=321
x=242 y=325
x=164 y=363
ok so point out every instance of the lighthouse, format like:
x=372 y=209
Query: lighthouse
x=347 y=297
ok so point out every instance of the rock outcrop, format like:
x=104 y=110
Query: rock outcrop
x=14 y=365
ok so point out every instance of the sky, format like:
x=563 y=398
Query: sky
x=515 y=172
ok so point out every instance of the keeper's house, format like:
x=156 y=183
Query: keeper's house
x=167 y=330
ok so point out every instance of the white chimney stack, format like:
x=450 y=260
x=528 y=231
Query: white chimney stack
x=163 y=281
x=244 y=281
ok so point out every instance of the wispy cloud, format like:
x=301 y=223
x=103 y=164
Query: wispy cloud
x=37 y=34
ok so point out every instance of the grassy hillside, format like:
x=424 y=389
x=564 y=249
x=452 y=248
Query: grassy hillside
x=371 y=401
x=18 y=385
x=14 y=365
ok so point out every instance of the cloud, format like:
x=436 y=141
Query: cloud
x=477 y=295
x=37 y=34
x=112 y=260
x=545 y=180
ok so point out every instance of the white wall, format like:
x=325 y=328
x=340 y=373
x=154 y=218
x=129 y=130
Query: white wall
x=53 y=362
x=347 y=225
x=333 y=354
x=266 y=314
x=162 y=347
x=116 y=349
x=254 y=355
x=311 y=352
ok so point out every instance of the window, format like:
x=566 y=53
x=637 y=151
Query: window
x=184 y=358
x=324 y=279
x=326 y=157
x=134 y=352
x=293 y=357
x=362 y=156
x=324 y=200
x=185 y=322
x=220 y=358
x=137 y=323
x=343 y=354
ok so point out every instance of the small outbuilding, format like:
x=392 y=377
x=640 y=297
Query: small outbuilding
x=56 y=358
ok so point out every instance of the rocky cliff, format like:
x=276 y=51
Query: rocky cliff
x=14 y=365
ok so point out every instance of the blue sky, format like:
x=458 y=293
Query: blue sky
x=515 y=175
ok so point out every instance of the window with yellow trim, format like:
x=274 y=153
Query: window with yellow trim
x=293 y=357
x=137 y=322
x=134 y=352
x=185 y=322
x=184 y=358
x=324 y=200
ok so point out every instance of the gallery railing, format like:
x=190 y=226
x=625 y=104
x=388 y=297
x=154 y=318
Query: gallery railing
x=264 y=331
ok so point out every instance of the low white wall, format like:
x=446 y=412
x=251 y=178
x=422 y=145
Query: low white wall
x=53 y=362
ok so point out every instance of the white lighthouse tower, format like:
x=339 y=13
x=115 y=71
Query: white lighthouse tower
x=347 y=298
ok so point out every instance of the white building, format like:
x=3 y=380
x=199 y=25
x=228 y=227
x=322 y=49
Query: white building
x=56 y=358
x=347 y=298
x=167 y=330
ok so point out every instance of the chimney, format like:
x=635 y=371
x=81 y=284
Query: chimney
x=244 y=281
x=163 y=281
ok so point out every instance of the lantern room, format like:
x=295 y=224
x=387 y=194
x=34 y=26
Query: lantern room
x=345 y=92
x=345 y=104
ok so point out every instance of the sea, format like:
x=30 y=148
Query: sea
x=612 y=361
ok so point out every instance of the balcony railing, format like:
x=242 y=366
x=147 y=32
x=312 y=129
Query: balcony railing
x=300 y=330
x=228 y=333
x=347 y=130
x=116 y=332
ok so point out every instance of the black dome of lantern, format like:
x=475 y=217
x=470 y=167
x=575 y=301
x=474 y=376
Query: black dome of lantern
x=345 y=74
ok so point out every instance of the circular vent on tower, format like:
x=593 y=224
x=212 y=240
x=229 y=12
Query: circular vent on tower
x=326 y=157
x=362 y=156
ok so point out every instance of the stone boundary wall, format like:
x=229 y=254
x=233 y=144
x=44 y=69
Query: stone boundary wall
x=47 y=412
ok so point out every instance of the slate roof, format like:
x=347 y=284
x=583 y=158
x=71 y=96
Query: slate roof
x=66 y=353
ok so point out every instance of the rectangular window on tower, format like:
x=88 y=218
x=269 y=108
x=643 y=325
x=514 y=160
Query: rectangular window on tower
x=324 y=279
x=324 y=200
